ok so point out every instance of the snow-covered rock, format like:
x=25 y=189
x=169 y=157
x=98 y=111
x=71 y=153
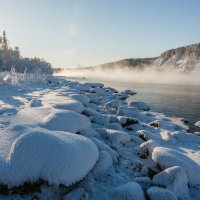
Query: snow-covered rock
x=80 y=97
x=94 y=98
x=197 y=124
x=128 y=111
x=144 y=182
x=186 y=137
x=114 y=126
x=103 y=164
x=104 y=147
x=35 y=102
x=71 y=104
x=75 y=194
x=166 y=158
x=27 y=155
x=147 y=148
x=175 y=179
x=66 y=121
x=98 y=91
x=140 y=105
x=116 y=137
x=167 y=137
x=158 y=193
x=90 y=132
x=128 y=191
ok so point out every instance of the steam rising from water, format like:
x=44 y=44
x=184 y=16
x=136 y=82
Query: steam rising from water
x=131 y=75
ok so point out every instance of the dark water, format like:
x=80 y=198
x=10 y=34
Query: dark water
x=173 y=100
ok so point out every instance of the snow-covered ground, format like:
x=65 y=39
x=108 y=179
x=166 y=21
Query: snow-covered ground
x=61 y=139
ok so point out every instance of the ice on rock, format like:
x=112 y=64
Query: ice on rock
x=140 y=105
x=66 y=121
x=128 y=191
x=175 y=179
x=104 y=163
x=158 y=193
x=70 y=104
x=80 y=97
x=166 y=158
x=27 y=155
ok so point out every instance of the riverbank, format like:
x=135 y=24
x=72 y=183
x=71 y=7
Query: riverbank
x=74 y=140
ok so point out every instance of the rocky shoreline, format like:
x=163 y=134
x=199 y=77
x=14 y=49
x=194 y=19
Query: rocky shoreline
x=68 y=140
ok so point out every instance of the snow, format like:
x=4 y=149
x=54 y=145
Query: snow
x=197 y=124
x=103 y=164
x=174 y=179
x=29 y=155
x=140 y=105
x=166 y=158
x=158 y=193
x=66 y=121
x=80 y=97
x=109 y=147
x=128 y=191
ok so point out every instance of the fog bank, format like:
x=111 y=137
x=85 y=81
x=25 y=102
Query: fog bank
x=131 y=75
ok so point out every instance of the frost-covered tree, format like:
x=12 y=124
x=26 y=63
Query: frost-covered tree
x=10 y=57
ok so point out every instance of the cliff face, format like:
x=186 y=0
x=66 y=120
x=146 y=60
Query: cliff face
x=183 y=59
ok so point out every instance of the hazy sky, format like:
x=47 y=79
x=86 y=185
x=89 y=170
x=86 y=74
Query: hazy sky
x=71 y=32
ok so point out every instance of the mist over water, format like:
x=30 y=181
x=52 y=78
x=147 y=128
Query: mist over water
x=131 y=76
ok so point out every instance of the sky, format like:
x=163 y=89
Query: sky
x=68 y=33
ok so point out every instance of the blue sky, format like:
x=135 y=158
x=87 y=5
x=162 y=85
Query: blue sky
x=87 y=32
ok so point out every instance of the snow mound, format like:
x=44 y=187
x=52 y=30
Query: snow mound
x=167 y=137
x=104 y=147
x=66 y=121
x=197 y=124
x=54 y=156
x=116 y=137
x=157 y=193
x=175 y=179
x=128 y=191
x=71 y=105
x=186 y=137
x=144 y=182
x=166 y=158
x=80 y=97
x=90 y=132
x=35 y=103
x=103 y=164
x=94 y=98
x=114 y=126
x=146 y=148
x=128 y=111
x=140 y=105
